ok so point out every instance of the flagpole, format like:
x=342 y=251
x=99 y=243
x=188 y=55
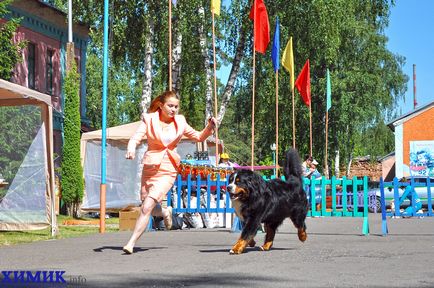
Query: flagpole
x=326 y=168
x=288 y=63
x=310 y=124
x=277 y=124
x=275 y=55
x=215 y=91
x=170 y=45
x=253 y=87
x=253 y=106
x=293 y=119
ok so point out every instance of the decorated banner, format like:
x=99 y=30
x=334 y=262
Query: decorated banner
x=422 y=158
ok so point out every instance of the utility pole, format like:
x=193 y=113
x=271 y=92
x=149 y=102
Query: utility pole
x=414 y=87
x=70 y=45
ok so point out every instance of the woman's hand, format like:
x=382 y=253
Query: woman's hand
x=130 y=155
x=212 y=122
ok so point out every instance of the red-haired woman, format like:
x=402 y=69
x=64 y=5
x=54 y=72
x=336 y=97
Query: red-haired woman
x=163 y=128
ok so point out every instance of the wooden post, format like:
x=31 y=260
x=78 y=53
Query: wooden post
x=170 y=45
x=293 y=119
x=326 y=166
x=253 y=90
x=277 y=125
x=215 y=92
x=69 y=55
x=310 y=125
x=102 y=208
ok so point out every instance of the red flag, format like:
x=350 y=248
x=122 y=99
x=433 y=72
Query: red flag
x=303 y=83
x=261 y=29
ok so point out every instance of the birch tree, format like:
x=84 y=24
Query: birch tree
x=346 y=36
x=147 y=73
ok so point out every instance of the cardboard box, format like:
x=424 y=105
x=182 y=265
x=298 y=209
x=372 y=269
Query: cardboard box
x=128 y=218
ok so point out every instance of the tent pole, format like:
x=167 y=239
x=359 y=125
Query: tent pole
x=54 y=229
x=47 y=117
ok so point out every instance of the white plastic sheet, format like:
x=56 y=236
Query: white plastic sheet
x=26 y=201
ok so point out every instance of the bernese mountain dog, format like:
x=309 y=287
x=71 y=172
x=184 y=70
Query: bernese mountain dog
x=257 y=201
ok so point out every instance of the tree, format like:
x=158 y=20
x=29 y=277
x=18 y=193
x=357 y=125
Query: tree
x=72 y=172
x=13 y=152
x=345 y=36
x=10 y=50
x=16 y=136
x=146 y=23
x=123 y=103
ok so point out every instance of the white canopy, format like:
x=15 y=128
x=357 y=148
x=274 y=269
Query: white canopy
x=14 y=95
x=123 y=176
x=36 y=188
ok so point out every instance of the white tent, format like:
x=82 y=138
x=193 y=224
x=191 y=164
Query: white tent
x=122 y=175
x=28 y=202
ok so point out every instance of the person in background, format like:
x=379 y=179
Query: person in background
x=307 y=166
x=163 y=129
x=309 y=171
x=314 y=174
x=224 y=161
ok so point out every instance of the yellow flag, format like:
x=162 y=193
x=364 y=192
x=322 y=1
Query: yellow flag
x=215 y=6
x=288 y=61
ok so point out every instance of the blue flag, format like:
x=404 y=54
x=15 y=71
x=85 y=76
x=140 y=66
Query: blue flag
x=275 y=52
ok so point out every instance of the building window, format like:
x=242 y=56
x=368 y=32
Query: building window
x=31 y=65
x=49 y=72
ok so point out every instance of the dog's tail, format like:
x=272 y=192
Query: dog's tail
x=292 y=164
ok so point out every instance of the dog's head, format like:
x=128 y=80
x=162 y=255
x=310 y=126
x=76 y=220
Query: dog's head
x=243 y=184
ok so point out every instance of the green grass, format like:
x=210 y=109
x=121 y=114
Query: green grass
x=18 y=237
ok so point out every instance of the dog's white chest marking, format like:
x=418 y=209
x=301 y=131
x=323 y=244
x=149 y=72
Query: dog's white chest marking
x=236 y=204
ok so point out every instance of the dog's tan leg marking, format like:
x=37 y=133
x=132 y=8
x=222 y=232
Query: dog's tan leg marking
x=252 y=243
x=302 y=235
x=269 y=237
x=239 y=246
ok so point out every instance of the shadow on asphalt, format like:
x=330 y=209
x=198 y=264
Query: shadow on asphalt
x=321 y=233
x=179 y=280
x=118 y=248
x=248 y=250
x=167 y=280
x=409 y=235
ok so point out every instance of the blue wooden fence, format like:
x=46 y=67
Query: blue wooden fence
x=339 y=191
x=396 y=185
x=190 y=186
x=336 y=198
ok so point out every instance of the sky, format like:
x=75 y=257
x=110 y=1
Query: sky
x=411 y=34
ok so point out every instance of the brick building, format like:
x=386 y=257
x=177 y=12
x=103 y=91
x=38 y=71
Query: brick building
x=43 y=64
x=365 y=166
x=414 y=142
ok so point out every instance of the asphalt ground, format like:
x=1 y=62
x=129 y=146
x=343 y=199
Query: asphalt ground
x=336 y=254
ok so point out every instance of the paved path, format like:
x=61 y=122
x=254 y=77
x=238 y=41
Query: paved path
x=335 y=255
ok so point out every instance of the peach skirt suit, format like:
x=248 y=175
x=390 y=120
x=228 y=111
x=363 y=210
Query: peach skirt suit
x=160 y=161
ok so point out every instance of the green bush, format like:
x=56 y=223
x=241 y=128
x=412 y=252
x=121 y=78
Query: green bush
x=72 y=174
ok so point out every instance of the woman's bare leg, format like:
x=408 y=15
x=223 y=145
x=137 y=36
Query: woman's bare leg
x=158 y=210
x=141 y=223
